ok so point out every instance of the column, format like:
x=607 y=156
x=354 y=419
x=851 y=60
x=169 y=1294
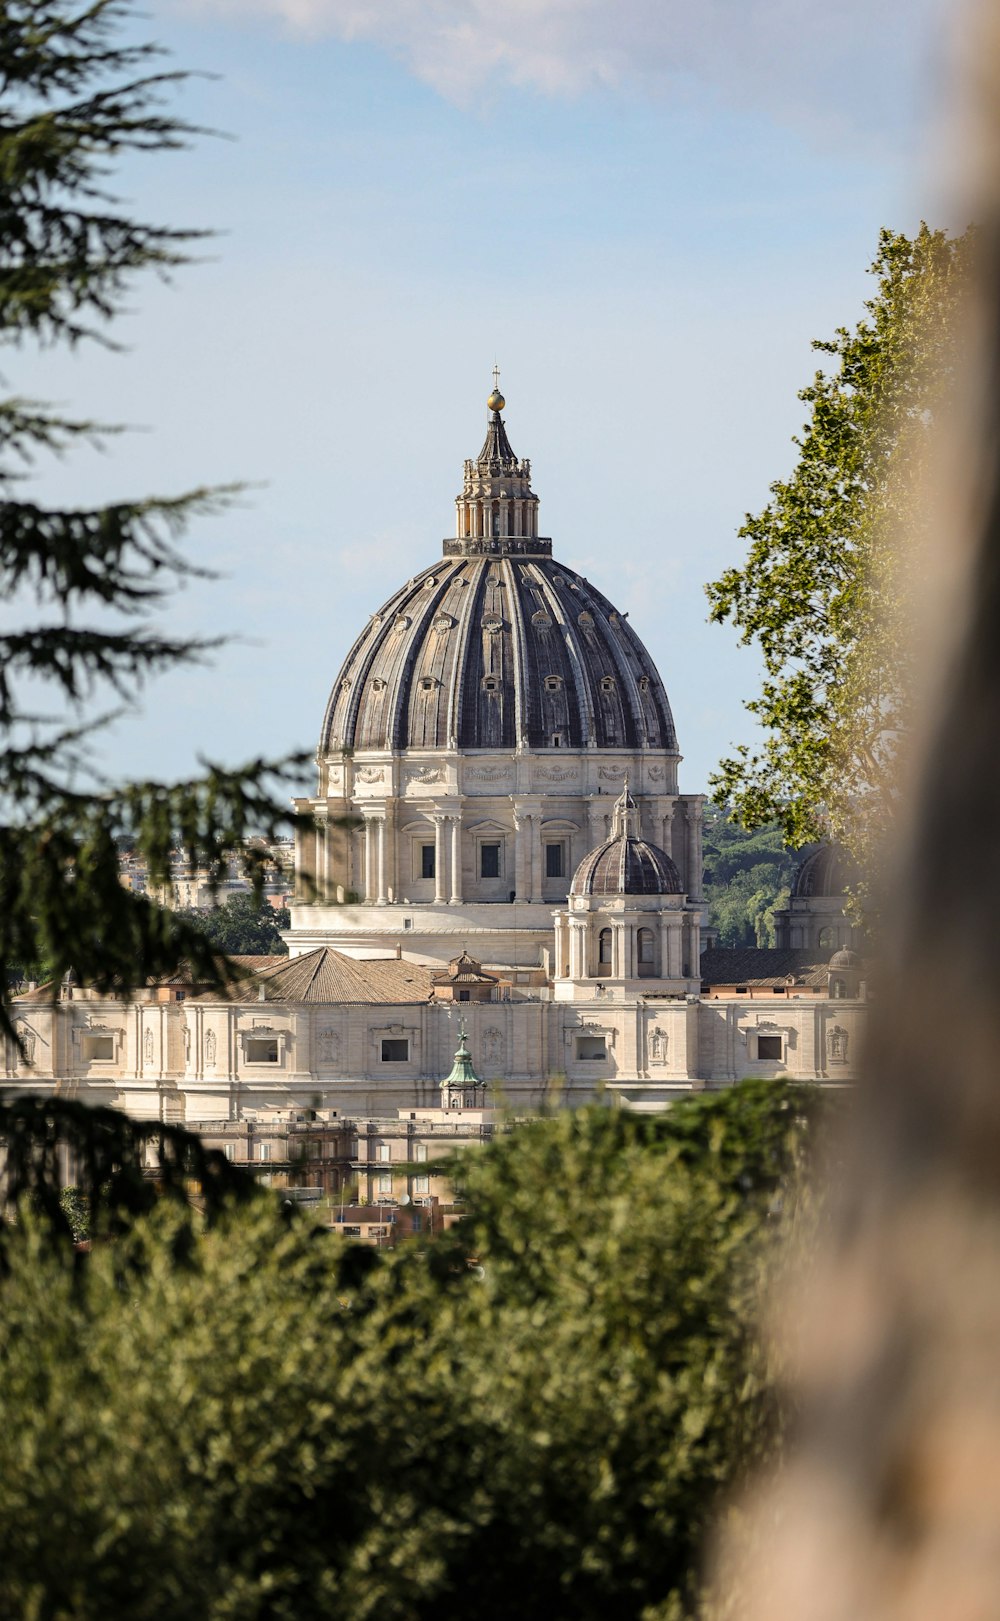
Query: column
x=674 y=947
x=380 y=858
x=439 y=858
x=535 y=837
x=664 y=948
x=522 y=833
x=369 y=860
x=578 y=949
x=456 y=860
x=667 y=837
x=695 y=880
x=617 y=951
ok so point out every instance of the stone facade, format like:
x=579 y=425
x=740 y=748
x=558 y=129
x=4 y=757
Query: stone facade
x=470 y=809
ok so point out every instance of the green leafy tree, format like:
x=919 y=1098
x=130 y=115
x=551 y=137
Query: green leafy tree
x=826 y=590
x=86 y=583
x=317 y=1429
x=748 y=878
x=244 y=927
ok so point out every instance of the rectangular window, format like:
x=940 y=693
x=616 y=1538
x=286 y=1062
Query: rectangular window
x=262 y=1051
x=230 y=1151
x=420 y=1152
x=383 y=1153
x=591 y=1047
x=98 y=1049
x=395 y=1051
x=383 y=1184
x=263 y=1150
x=427 y=865
x=769 y=1047
x=489 y=861
x=554 y=863
x=421 y=1184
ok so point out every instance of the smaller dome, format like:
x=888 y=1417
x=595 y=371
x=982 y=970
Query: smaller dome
x=845 y=958
x=626 y=866
x=828 y=871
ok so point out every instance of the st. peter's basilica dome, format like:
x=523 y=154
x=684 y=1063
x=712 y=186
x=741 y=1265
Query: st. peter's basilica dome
x=497 y=645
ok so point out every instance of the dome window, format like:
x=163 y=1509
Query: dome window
x=378 y=685
x=644 y=683
x=430 y=582
x=403 y=622
x=492 y=623
x=490 y=683
x=428 y=683
x=443 y=621
x=553 y=683
x=585 y=619
x=541 y=619
x=607 y=683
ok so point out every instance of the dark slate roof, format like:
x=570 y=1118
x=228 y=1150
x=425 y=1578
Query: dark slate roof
x=827 y=870
x=626 y=866
x=496 y=454
x=486 y=652
x=762 y=966
x=325 y=975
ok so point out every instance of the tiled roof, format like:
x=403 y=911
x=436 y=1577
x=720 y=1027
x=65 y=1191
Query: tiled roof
x=762 y=965
x=324 y=975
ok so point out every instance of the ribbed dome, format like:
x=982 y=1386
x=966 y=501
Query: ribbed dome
x=498 y=646
x=489 y=652
x=826 y=871
x=626 y=866
x=845 y=958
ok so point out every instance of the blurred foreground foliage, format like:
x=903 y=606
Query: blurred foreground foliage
x=532 y=1415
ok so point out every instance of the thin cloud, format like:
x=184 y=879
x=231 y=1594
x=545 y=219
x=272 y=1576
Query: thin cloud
x=849 y=68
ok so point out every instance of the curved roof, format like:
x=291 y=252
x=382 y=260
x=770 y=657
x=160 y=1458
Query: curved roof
x=828 y=871
x=498 y=645
x=489 y=653
x=626 y=866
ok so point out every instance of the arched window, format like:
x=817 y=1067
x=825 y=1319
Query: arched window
x=646 y=953
x=827 y=938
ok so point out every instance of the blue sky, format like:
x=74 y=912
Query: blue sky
x=644 y=211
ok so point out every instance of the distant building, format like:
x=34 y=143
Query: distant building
x=497 y=824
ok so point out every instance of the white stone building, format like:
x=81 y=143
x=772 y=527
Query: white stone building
x=497 y=776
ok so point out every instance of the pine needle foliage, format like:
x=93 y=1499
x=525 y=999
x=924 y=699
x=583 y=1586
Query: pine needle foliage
x=82 y=585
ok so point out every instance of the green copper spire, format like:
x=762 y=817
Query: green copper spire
x=460 y=1087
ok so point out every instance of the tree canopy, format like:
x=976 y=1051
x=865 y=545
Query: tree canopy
x=244 y=927
x=535 y=1413
x=84 y=584
x=826 y=590
x=748 y=877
